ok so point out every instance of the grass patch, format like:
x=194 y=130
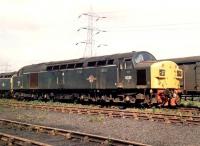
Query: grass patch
x=164 y=111
x=31 y=118
x=189 y=103
x=39 y=102
x=1 y=109
x=99 y=119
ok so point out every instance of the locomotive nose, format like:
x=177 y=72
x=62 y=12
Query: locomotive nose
x=165 y=75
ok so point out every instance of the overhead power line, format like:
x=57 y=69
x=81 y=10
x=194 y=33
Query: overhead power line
x=172 y=26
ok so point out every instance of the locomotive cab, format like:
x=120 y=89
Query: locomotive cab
x=160 y=81
x=142 y=62
x=165 y=78
x=132 y=70
x=156 y=81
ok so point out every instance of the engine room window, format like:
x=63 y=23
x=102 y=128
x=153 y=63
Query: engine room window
x=79 y=65
x=101 y=63
x=128 y=59
x=49 y=68
x=91 y=64
x=56 y=67
x=110 y=62
x=63 y=66
x=141 y=77
x=70 y=66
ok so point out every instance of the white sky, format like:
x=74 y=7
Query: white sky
x=33 y=31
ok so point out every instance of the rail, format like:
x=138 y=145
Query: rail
x=167 y=118
x=15 y=140
x=68 y=134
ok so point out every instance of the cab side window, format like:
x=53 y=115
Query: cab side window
x=128 y=64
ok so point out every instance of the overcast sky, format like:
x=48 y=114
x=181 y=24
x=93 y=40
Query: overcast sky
x=33 y=31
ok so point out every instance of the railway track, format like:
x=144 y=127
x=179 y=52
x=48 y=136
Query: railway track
x=10 y=140
x=67 y=134
x=189 y=110
x=161 y=117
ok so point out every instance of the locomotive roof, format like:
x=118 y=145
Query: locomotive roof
x=90 y=59
x=185 y=60
x=33 y=68
x=43 y=66
x=7 y=74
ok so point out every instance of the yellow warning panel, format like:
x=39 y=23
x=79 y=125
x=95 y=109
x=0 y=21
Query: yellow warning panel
x=165 y=75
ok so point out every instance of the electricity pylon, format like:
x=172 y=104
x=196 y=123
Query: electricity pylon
x=91 y=31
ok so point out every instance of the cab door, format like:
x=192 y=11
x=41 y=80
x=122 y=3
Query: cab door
x=126 y=73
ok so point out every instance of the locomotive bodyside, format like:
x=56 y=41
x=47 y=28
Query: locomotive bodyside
x=6 y=84
x=130 y=77
x=190 y=83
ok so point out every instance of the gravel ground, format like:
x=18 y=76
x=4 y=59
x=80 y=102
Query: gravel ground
x=153 y=133
x=2 y=143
